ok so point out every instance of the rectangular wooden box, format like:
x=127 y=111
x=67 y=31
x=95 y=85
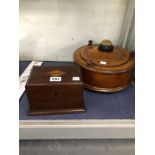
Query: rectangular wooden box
x=55 y=90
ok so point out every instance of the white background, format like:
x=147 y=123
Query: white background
x=52 y=29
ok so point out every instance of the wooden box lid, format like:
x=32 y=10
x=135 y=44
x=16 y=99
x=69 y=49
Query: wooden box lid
x=49 y=75
x=104 y=57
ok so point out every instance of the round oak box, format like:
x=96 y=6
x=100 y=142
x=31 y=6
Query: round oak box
x=104 y=67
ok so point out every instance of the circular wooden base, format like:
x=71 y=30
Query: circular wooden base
x=105 y=90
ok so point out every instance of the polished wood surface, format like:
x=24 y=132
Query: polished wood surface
x=105 y=71
x=105 y=82
x=115 y=58
x=47 y=97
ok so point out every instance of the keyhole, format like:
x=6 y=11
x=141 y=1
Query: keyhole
x=55 y=94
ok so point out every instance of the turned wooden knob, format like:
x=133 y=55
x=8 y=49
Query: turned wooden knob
x=90 y=42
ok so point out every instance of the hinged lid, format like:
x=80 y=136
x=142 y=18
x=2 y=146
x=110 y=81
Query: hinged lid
x=104 y=54
x=104 y=57
x=47 y=75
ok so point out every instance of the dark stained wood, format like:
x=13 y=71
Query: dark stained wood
x=47 y=97
x=113 y=76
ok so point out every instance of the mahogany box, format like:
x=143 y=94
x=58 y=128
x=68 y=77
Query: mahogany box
x=55 y=90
